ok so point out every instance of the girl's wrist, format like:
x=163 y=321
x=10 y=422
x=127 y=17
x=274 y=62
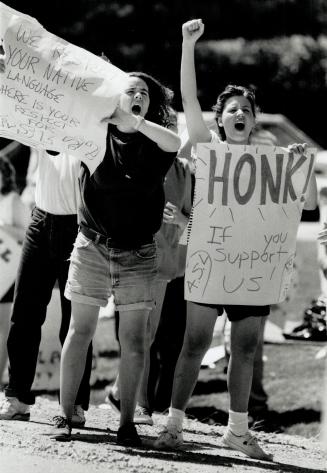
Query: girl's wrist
x=188 y=43
x=139 y=122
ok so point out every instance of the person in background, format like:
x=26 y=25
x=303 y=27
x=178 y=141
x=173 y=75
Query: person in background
x=45 y=260
x=313 y=327
x=47 y=246
x=14 y=218
x=171 y=263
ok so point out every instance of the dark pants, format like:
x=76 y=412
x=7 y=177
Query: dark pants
x=167 y=345
x=45 y=259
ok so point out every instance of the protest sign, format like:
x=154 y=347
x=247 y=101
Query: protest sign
x=53 y=94
x=9 y=259
x=247 y=208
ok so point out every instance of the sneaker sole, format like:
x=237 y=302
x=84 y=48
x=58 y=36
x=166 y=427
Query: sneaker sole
x=169 y=447
x=129 y=443
x=21 y=417
x=78 y=425
x=235 y=446
x=140 y=421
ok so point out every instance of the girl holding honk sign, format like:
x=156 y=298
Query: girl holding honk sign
x=235 y=115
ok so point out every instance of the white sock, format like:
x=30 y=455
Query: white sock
x=175 y=418
x=238 y=422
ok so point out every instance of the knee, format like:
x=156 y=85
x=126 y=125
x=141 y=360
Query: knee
x=135 y=345
x=246 y=348
x=196 y=346
x=80 y=334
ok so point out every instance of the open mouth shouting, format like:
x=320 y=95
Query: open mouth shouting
x=239 y=126
x=136 y=109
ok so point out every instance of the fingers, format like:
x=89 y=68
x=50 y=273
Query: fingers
x=170 y=206
x=194 y=25
x=298 y=148
x=193 y=29
x=170 y=213
x=106 y=120
x=322 y=235
x=2 y=64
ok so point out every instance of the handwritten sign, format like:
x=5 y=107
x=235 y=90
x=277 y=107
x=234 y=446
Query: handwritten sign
x=10 y=252
x=247 y=208
x=53 y=94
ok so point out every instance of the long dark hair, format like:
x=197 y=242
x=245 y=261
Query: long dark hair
x=161 y=98
x=232 y=90
x=8 y=173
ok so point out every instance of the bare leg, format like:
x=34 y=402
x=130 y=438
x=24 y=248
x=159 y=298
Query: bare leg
x=198 y=336
x=5 y=312
x=245 y=335
x=132 y=336
x=81 y=330
x=258 y=396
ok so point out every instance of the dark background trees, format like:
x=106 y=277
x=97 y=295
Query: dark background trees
x=279 y=46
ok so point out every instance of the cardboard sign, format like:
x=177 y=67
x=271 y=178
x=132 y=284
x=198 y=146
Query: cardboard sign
x=10 y=252
x=53 y=94
x=247 y=208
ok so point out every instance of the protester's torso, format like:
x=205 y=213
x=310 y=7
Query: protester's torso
x=124 y=197
x=57 y=190
x=178 y=192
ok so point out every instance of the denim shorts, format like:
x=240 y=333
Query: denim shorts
x=97 y=271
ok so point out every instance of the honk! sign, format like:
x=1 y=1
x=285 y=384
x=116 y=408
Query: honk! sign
x=247 y=208
x=54 y=94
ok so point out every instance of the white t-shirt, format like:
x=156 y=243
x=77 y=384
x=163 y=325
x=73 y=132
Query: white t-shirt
x=57 y=189
x=7 y=208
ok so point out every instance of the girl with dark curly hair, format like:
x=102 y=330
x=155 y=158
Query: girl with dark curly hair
x=121 y=209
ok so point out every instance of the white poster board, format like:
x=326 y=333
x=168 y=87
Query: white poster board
x=247 y=208
x=10 y=252
x=54 y=94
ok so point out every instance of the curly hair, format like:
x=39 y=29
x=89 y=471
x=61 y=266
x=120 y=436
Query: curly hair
x=161 y=98
x=8 y=173
x=232 y=90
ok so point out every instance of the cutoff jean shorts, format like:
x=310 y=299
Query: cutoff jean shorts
x=97 y=271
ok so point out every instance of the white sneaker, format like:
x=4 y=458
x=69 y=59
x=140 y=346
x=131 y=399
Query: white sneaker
x=246 y=444
x=78 y=417
x=169 y=438
x=13 y=409
x=143 y=415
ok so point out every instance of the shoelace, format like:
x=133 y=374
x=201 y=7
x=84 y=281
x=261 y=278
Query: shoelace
x=173 y=433
x=60 y=421
x=250 y=440
x=142 y=411
x=6 y=403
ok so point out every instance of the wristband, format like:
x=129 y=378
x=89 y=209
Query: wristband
x=139 y=122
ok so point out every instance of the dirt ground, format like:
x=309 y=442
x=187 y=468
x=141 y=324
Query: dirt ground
x=26 y=448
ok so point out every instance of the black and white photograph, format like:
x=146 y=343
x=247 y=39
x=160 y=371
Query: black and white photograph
x=163 y=236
